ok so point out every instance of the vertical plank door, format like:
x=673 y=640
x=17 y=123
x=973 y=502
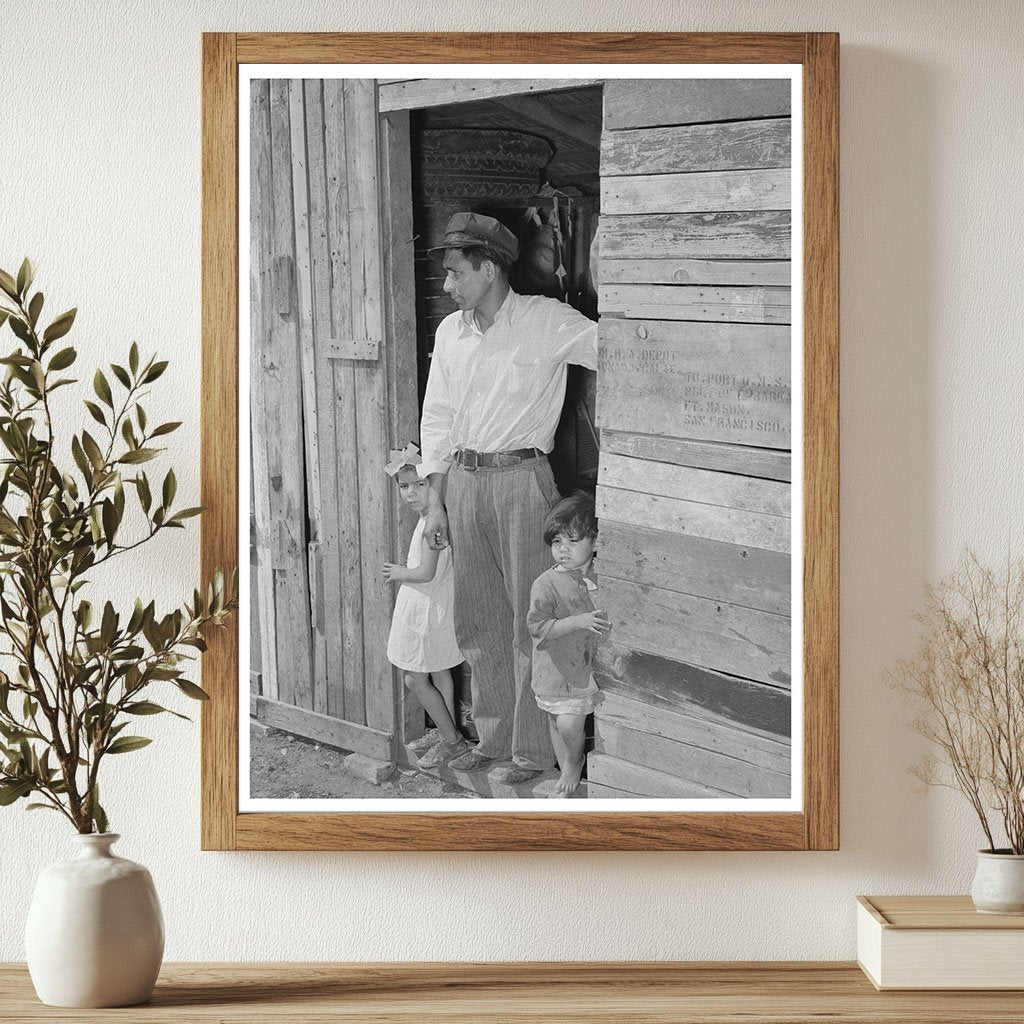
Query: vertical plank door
x=694 y=495
x=324 y=170
x=280 y=581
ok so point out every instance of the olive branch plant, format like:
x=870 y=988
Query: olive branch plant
x=80 y=675
x=966 y=681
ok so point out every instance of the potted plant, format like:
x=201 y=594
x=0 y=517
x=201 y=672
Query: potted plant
x=78 y=672
x=967 y=682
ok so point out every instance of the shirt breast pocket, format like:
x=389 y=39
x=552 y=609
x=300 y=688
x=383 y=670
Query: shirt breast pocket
x=528 y=374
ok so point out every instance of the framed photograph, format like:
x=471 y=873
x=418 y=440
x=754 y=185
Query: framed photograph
x=520 y=419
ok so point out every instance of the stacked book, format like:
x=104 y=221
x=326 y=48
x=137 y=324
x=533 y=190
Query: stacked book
x=938 y=942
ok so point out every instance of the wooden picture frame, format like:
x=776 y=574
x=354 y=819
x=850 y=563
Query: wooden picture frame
x=816 y=825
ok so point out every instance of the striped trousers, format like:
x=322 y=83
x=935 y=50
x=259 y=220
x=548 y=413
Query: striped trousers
x=495 y=519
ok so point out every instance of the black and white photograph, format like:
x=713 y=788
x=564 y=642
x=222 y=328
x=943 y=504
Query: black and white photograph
x=520 y=462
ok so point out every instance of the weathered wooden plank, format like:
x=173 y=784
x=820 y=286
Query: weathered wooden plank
x=364 y=199
x=315 y=575
x=400 y=311
x=762 y=235
x=435 y=92
x=400 y=356
x=255 y=641
x=743 y=273
x=262 y=315
x=597 y=791
x=353 y=348
x=371 y=397
x=265 y=609
x=710 y=634
x=283 y=283
x=758 y=305
x=701 y=693
x=728 y=489
x=712 y=382
x=347 y=593
x=337 y=406
x=722 y=739
x=294 y=646
x=308 y=197
x=645 y=782
x=734 y=526
x=767 y=463
x=690 y=764
x=281 y=386
x=635 y=103
x=324 y=729
x=746 y=576
x=760 y=189
x=703 y=147
x=318 y=411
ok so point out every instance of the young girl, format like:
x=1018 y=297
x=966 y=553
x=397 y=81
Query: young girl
x=566 y=628
x=422 y=640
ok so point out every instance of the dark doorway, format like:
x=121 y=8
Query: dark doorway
x=533 y=162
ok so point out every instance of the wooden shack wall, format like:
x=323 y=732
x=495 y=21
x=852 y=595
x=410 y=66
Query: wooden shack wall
x=694 y=495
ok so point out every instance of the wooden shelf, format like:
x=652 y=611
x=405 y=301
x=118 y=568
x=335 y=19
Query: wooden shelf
x=524 y=993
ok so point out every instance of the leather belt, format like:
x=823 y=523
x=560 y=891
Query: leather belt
x=473 y=460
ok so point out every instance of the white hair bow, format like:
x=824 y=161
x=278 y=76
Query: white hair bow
x=407 y=456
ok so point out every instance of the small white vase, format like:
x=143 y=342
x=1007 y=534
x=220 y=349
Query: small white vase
x=999 y=883
x=95 y=933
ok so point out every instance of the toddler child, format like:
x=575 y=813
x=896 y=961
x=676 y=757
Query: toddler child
x=422 y=639
x=566 y=629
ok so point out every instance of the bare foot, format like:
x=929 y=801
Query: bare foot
x=570 y=778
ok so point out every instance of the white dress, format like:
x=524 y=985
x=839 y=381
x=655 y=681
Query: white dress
x=422 y=635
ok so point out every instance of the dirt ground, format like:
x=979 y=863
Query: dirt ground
x=283 y=766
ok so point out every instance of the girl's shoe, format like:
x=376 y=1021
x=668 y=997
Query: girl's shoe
x=423 y=743
x=444 y=751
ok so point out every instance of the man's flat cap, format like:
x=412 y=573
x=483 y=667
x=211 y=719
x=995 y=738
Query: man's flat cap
x=465 y=229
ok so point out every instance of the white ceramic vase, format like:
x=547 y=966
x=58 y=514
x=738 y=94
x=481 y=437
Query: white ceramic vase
x=999 y=883
x=95 y=933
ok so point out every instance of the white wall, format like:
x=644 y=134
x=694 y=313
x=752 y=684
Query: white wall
x=100 y=183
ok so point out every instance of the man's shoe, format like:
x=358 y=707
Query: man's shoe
x=443 y=751
x=471 y=761
x=514 y=775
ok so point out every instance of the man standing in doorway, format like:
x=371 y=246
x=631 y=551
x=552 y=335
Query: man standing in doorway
x=494 y=397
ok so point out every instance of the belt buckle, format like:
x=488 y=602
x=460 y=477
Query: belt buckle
x=469 y=460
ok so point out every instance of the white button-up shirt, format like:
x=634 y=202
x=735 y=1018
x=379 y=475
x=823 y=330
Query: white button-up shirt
x=501 y=389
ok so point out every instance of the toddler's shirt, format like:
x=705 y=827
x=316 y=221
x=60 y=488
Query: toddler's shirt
x=563 y=666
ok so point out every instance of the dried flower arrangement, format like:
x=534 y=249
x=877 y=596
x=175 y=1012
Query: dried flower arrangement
x=967 y=682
